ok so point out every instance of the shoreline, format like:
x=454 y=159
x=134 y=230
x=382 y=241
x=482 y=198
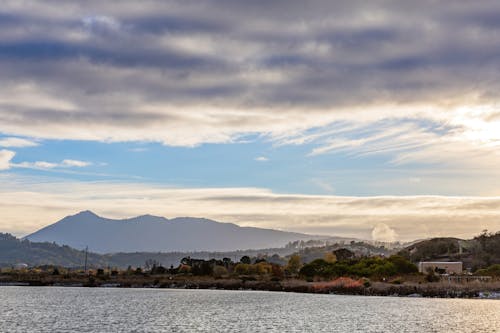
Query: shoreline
x=424 y=290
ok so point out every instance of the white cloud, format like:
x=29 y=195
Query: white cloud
x=41 y=164
x=51 y=165
x=382 y=232
x=323 y=185
x=262 y=159
x=139 y=149
x=75 y=163
x=17 y=143
x=5 y=157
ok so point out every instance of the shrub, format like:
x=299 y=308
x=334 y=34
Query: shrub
x=242 y=269
x=493 y=270
x=219 y=271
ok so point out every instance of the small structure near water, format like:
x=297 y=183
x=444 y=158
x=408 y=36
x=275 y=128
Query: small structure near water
x=441 y=267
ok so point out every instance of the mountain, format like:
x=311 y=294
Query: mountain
x=149 y=233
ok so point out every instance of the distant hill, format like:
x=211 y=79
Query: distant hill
x=436 y=248
x=481 y=251
x=15 y=251
x=149 y=233
x=359 y=248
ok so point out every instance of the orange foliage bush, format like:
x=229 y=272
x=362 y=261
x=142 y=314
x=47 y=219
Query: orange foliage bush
x=341 y=282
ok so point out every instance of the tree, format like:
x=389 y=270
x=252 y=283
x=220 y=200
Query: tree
x=245 y=260
x=343 y=254
x=158 y=270
x=403 y=266
x=184 y=269
x=263 y=267
x=294 y=264
x=318 y=267
x=277 y=272
x=330 y=257
x=242 y=269
x=227 y=262
x=150 y=264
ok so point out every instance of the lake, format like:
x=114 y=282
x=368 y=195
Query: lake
x=64 y=309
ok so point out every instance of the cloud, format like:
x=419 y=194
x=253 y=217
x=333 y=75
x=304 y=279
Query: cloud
x=75 y=163
x=100 y=23
x=382 y=232
x=414 y=179
x=185 y=74
x=323 y=185
x=262 y=159
x=17 y=143
x=5 y=157
x=51 y=165
x=27 y=204
x=139 y=149
x=344 y=78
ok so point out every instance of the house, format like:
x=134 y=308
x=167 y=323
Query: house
x=441 y=267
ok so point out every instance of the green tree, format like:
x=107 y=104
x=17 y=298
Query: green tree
x=294 y=264
x=245 y=260
x=403 y=266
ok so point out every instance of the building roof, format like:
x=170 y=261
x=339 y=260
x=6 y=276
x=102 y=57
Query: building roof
x=441 y=262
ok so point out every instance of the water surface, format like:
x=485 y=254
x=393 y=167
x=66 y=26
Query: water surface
x=53 y=309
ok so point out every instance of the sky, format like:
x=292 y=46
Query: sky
x=376 y=120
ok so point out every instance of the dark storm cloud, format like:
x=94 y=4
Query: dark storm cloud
x=240 y=55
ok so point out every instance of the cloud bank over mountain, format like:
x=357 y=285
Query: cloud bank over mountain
x=221 y=108
x=27 y=206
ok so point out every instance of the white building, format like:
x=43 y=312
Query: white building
x=443 y=267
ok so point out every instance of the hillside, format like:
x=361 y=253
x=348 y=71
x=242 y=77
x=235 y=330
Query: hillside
x=479 y=252
x=149 y=233
x=14 y=251
x=359 y=248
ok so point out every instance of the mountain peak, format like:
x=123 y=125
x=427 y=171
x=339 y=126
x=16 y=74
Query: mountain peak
x=86 y=213
x=147 y=216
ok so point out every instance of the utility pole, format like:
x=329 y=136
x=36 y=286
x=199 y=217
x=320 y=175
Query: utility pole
x=86 y=254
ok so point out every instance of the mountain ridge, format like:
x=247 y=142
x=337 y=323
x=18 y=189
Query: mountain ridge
x=156 y=233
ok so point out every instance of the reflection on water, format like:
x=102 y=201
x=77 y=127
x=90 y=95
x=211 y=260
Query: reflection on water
x=51 y=309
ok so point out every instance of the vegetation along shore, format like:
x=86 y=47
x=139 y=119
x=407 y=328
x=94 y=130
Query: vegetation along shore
x=337 y=269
